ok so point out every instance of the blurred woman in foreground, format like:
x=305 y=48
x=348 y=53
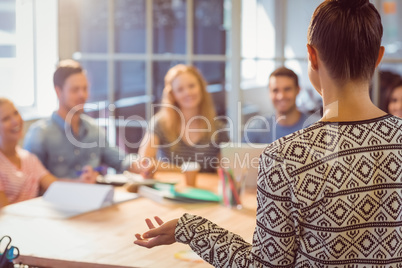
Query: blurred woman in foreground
x=22 y=175
x=393 y=98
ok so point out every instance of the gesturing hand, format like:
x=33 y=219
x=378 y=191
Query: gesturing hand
x=162 y=235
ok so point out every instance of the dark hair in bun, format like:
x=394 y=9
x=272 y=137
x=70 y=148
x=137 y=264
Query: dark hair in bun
x=353 y=4
x=347 y=34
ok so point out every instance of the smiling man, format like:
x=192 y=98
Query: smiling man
x=70 y=139
x=283 y=90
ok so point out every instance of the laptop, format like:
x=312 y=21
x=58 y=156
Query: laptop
x=243 y=160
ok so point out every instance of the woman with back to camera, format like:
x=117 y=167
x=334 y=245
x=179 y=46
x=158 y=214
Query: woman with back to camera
x=22 y=175
x=328 y=195
x=185 y=128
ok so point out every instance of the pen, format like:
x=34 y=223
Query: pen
x=98 y=169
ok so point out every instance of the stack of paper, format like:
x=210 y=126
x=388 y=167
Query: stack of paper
x=67 y=199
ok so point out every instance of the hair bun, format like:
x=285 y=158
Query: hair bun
x=353 y=4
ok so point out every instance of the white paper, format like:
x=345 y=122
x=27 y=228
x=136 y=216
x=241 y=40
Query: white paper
x=38 y=207
x=151 y=193
x=64 y=205
x=120 y=197
x=113 y=178
x=80 y=197
x=126 y=177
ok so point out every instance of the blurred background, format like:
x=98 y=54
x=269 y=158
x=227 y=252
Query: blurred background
x=127 y=46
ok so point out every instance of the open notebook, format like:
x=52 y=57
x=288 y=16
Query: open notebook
x=66 y=199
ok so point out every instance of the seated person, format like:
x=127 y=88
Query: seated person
x=70 y=139
x=21 y=173
x=283 y=90
x=185 y=128
x=393 y=98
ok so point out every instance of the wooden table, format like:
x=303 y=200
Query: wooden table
x=104 y=238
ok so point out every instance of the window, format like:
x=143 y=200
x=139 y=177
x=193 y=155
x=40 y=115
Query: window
x=270 y=40
x=16 y=52
x=274 y=33
x=28 y=33
x=127 y=46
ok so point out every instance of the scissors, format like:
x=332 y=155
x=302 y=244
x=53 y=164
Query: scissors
x=10 y=252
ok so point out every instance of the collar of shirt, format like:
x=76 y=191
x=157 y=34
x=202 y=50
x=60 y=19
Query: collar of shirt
x=298 y=125
x=65 y=126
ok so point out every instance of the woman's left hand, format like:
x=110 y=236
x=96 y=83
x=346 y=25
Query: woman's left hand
x=162 y=235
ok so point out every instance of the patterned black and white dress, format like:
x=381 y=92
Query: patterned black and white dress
x=328 y=196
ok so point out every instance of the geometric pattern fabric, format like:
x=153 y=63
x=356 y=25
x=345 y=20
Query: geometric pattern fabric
x=329 y=196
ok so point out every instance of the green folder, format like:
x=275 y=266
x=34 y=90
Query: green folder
x=189 y=194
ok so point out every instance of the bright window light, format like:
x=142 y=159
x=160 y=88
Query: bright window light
x=28 y=53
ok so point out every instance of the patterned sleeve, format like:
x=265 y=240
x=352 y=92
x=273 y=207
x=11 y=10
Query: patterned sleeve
x=214 y=244
x=274 y=243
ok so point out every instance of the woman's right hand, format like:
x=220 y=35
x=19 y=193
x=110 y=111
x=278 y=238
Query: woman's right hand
x=144 y=166
x=162 y=235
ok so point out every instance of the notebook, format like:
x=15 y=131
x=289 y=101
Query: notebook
x=243 y=160
x=160 y=192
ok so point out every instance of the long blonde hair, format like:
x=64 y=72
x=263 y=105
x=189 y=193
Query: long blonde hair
x=167 y=116
x=4 y=100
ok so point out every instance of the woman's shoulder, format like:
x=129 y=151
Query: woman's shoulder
x=328 y=137
x=222 y=130
x=22 y=153
x=156 y=123
x=219 y=124
x=302 y=139
x=26 y=155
